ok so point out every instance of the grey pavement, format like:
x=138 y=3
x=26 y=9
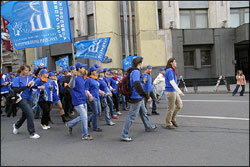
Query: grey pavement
x=211 y=89
x=213 y=131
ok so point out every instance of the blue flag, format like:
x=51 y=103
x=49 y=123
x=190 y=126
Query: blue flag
x=93 y=49
x=64 y=62
x=37 y=23
x=42 y=60
x=127 y=62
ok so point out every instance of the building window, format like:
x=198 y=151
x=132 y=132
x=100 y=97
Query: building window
x=188 y=58
x=193 y=19
x=160 y=18
x=239 y=16
x=205 y=57
x=91 y=28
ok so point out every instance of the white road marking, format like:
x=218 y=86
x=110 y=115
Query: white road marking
x=212 y=117
x=236 y=101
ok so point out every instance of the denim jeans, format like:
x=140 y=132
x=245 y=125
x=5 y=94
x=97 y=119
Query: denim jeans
x=111 y=105
x=152 y=95
x=242 y=89
x=83 y=117
x=135 y=108
x=96 y=109
x=26 y=105
x=162 y=93
x=124 y=105
x=38 y=111
x=106 y=112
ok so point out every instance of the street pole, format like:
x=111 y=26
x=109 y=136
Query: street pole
x=125 y=28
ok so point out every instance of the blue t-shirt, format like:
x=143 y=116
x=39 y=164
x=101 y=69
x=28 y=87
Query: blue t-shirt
x=148 y=85
x=114 y=85
x=78 y=92
x=39 y=82
x=170 y=75
x=92 y=86
x=135 y=75
x=103 y=85
x=55 y=91
x=60 y=79
x=20 y=82
x=4 y=89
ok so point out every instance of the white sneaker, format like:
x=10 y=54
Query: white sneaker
x=15 y=130
x=44 y=127
x=119 y=113
x=34 y=136
x=48 y=127
x=111 y=123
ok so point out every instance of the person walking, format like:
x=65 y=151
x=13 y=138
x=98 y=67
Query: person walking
x=136 y=101
x=241 y=81
x=115 y=92
x=78 y=93
x=173 y=94
x=24 y=82
x=148 y=87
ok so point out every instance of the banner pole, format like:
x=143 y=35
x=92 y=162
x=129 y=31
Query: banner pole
x=73 y=53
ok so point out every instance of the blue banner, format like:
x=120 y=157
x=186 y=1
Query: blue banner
x=42 y=60
x=93 y=49
x=127 y=62
x=63 y=62
x=37 y=23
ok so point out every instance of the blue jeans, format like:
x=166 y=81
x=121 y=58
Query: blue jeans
x=38 y=111
x=124 y=105
x=106 y=112
x=26 y=105
x=133 y=112
x=83 y=117
x=96 y=109
x=111 y=105
x=162 y=93
x=242 y=89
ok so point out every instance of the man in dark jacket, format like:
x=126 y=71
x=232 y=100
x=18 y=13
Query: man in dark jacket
x=136 y=99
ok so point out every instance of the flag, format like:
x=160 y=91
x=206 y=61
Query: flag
x=42 y=60
x=37 y=23
x=64 y=62
x=5 y=35
x=93 y=49
x=127 y=62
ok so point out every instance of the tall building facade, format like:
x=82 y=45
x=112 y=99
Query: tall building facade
x=207 y=38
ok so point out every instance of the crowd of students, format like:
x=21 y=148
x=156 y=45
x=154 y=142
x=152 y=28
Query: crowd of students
x=89 y=94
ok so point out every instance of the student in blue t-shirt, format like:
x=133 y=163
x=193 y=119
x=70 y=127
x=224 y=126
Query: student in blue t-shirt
x=4 y=91
x=136 y=99
x=92 y=85
x=148 y=87
x=173 y=94
x=115 y=92
x=22 y=83
x=79 y=95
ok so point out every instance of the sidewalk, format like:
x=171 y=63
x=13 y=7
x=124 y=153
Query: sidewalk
x=211 y=89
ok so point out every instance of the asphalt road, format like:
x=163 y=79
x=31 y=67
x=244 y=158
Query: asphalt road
x=214 y=130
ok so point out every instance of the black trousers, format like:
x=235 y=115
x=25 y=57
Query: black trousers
x=152 y=95
x=116 y=101
x=45 y=106
x=68 y=107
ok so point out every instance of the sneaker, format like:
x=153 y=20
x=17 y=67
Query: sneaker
x=87 y=138
x=155 y=113
x=114 y=117
x=34 y=136
x=119 y=113
x=175 y=124
x=97 y=130
x=72 y=113
x=152 y=129
x=126 y=139
x=48 y=126
x=171 y=127
x=15 y=130
x=69 y=128
x=111 y=123
x=44 y=127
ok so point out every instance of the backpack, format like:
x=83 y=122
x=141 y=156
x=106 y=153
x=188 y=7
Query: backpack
x=124 y=85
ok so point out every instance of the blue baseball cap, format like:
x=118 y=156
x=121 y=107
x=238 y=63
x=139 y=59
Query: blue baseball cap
x=72 y=68
x=79 y=65
x=92 y=68
x=10 y=73
x=105 y=69
x=162 y=69
x=34 y=70
x=149 y=66
x=64 y=70
x=60 y=72
x=100 y=70
x=51 y=74
x=96 y=66
x=43 y=71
